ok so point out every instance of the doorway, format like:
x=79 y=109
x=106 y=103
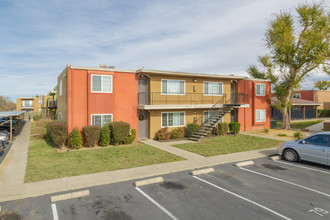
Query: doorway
x=143 y=125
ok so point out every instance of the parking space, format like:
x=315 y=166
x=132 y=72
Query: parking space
x=264 y=190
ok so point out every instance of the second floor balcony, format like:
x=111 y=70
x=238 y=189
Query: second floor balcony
x=158 y=100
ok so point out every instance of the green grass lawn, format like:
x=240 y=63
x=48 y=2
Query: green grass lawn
x=45 y=163
x=228 y=144
x=300 y=125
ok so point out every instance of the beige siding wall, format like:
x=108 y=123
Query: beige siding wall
x=62 y=101
x=191 y=96
x=155 y=122
x=322 y=97
x=36 y=103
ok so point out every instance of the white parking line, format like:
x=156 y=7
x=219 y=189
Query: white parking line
x=308 y=168
x=285 y=181
x=243 y=198
x=157 y=204
x=55 y=215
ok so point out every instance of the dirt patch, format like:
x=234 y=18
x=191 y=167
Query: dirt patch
x=10 y=215
x=272 y=167
x=172 y=185
x=275 y=132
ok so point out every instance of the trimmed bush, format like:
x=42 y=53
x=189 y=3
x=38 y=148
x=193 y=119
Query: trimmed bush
x=177 y=133
x=119 y=132
x=130 y=139
x=91 y=135
x=282 y=135
x=323 y=113
x=105 y=136
x=192 y=128
x=75 y=139
x=163 y=134
x=231 y=126
x=36 y=117
x=266 y=130
x=222 y=128
x=57 y=133
x=298 y=135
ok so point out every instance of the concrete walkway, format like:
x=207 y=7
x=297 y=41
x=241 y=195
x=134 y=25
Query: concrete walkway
x=264 y=136
x=317 y=127
x=12 y=168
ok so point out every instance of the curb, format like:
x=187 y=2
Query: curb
x=148 y=181
x=275 y=157
x=69 y=196
x=203 y=171
x=245 y=163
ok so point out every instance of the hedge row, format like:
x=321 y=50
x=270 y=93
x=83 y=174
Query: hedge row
x=116 y=133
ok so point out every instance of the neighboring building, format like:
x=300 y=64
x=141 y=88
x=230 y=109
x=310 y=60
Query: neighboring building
x=319 y=96
x=97 y=96
x=301 y=109
x=29 y=104
x=150 y=99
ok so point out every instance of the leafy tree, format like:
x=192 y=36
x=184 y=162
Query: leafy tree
x=322 y=84
x=296 y=48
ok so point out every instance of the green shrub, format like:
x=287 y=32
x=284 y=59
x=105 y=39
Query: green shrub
x=163 y=134
x=266 y=130
x=298 y=135
x=36 y=117
x=233 y=125
x=323 y=113
x=105 y=136
x=91 y=135
x=281 y=134
x=57 y=133
x=192 y=128
x=177 y=133
x=222 y=128
x=131 y=138
x=75 y=139
x=119 y=132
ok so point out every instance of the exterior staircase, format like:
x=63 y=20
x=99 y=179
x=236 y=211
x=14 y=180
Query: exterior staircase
x=218 y=111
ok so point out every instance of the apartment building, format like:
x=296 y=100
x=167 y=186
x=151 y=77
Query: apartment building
x=151 y=99
x=29 y=104
x=318 y=96
x=97 y=96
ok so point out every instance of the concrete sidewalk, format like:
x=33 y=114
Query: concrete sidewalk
x=317 y=127
x=12 y=168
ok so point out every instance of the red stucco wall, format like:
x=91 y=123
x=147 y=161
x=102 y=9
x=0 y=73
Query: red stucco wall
x=246 y=115
x=82 y=103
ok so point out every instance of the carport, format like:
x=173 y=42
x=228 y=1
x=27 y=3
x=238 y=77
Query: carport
x=11 y=115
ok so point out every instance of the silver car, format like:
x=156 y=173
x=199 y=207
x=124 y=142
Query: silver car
x=4 y=135
x=315 y=148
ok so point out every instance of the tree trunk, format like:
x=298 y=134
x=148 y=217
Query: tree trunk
x=286 y=119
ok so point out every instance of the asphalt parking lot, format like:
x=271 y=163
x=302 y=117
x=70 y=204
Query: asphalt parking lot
x=264 y=190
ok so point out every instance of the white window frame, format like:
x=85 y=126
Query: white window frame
x=210 y=111
x=208 y=94
x=60 y=87
x=161 y=86
x=297 y=94
x=261 y=84
x=161 y=120
x=101 y=117
x=111 y=86
x=260 y=110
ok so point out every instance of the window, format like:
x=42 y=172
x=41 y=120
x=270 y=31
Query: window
x=260 y=115
x=27 y=103
x=102 y=83
x=212 y=88
x=173 y=87
x=260 y=89
x=320 y=140
x=296 y=95
x=61 y=88
x=101 y=119
x=173 y=119
x=209 y=114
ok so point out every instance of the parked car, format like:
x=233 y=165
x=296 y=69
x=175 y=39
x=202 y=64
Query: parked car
x=315 y=148
x=4 y=136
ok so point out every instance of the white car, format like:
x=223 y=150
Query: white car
x=315 y=148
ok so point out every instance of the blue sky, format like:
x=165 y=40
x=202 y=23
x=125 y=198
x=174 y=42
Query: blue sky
x=39 y=38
